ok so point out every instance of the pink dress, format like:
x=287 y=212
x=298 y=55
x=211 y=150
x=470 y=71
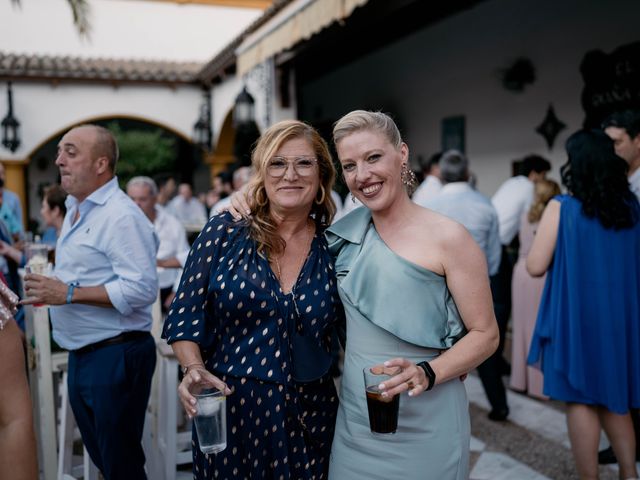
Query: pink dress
x=526 y=294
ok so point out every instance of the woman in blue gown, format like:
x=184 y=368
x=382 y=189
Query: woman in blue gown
x=254 y=312
x=587 y=335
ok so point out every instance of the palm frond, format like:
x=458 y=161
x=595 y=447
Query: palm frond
x=80 y=11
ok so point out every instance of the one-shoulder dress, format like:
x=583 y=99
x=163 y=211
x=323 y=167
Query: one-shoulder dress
x=395 y=308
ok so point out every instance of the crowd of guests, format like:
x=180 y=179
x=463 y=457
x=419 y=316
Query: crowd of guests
x=267 y=286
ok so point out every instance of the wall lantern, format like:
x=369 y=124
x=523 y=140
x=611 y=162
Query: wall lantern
x=10 y=125
x=202 y=131
x=244 y=108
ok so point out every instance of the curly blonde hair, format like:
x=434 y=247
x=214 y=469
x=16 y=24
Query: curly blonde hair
x=544 y=191
x=262 y=224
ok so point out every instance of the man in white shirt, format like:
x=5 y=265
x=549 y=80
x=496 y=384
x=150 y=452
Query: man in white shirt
x=101 y=298
x=624 y=129
x=431 y=185
x=187 y=208
x=460 y=202
x=174 y=247
x=512 y=199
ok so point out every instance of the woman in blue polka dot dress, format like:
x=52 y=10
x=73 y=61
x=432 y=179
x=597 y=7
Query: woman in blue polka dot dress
x=254 y=313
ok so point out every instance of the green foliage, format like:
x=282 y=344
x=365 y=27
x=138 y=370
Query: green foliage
x=142 y=152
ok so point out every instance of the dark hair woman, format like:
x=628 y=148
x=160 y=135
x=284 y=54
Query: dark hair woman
x=587 y=335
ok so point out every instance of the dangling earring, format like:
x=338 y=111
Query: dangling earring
x=408 y=178
x=321 y=201
x=353 y=197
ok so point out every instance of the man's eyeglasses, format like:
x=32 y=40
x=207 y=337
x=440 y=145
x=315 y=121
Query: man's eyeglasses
x=303 y=166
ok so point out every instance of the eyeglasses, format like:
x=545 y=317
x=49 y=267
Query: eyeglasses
x=303 y=166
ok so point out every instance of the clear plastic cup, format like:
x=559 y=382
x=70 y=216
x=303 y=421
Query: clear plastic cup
x=211 y=418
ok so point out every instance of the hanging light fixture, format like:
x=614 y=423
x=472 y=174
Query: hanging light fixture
x=244 y=108
x=10 y=125
x=202 y=131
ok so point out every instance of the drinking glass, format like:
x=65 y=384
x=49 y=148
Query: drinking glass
x=211 y=418
x=383 y=411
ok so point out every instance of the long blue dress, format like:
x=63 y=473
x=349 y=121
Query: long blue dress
x=230 y=303
x=395 y=308
x=587 y=335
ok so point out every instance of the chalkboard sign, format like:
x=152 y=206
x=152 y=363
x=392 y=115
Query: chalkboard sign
x=611 y=82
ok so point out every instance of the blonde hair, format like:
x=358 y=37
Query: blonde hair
x=360 y=120
x=544 y=191
x=365 y=120
x=263 y=229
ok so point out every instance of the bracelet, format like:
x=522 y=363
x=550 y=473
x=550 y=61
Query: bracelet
x=72 y=287
x=186 y=368
x=428 y=371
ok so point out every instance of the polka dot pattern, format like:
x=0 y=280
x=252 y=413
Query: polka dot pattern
x=231 y=304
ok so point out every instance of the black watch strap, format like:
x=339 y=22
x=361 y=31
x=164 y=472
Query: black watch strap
x=428 y=371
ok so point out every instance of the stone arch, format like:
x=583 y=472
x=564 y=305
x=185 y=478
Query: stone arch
x=37 y=168
x=94 y=118
x=223 y=151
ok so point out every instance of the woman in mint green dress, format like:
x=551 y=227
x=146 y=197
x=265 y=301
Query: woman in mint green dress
x=415 y=289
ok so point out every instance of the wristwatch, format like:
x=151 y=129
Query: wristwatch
x=428 y=371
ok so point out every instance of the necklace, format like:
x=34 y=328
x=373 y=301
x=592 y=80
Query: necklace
x=299 y=264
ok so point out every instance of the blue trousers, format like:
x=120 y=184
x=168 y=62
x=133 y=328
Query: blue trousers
x=109 y=391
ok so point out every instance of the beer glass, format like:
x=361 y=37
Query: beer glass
x=383 y=411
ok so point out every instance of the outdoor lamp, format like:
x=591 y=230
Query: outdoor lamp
x=202 y=133
x=244 y=108
x=10 y=125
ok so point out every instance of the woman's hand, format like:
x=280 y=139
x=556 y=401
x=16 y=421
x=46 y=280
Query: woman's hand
x=410 y=378
x=198 y=374
x=239 y=207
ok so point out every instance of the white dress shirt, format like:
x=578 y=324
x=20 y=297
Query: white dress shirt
x=511 y=200
x=428 y=189
x=190 y=212
x=173 y=243
x=460 y=202
x=111 y=244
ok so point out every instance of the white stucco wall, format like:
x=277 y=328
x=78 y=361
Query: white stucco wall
x=452 y=69
x=122 y=29
x=45 y=110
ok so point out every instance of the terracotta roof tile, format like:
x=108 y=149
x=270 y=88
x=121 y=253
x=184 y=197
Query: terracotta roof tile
x=42 y=67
